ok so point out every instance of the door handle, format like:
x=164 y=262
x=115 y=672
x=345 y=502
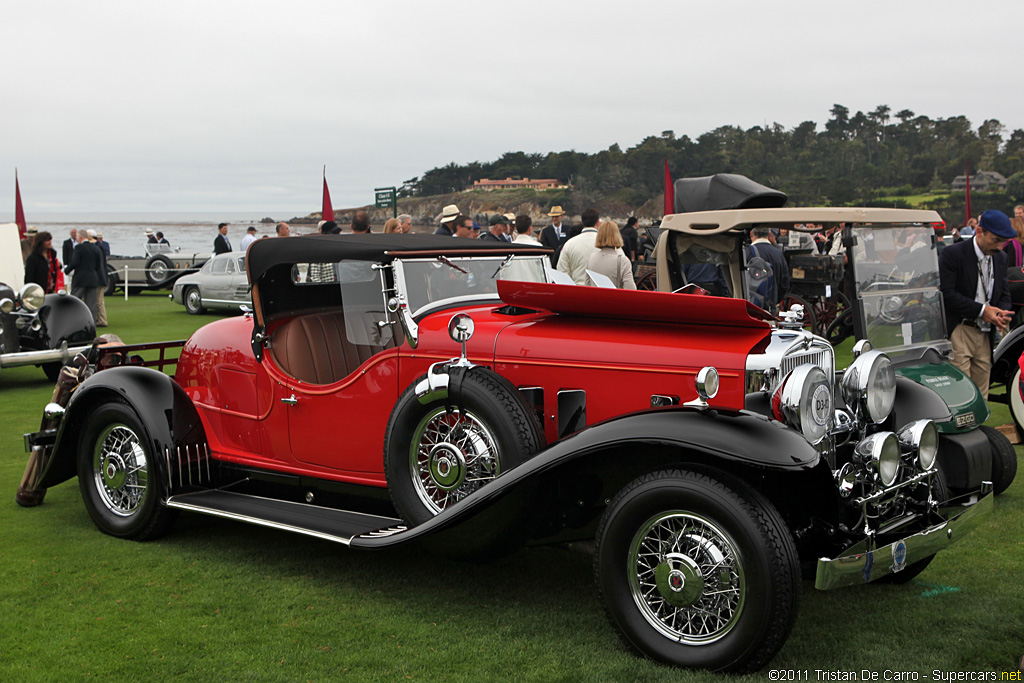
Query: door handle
x=291 y=400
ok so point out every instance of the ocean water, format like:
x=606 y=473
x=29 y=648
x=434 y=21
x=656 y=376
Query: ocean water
x=188 y=232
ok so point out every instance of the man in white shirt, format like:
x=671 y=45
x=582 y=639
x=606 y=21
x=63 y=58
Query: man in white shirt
x=250 y=237
x=577 y=251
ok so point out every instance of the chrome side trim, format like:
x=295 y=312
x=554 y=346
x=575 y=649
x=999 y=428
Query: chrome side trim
x=63 y=354
x=857 y=566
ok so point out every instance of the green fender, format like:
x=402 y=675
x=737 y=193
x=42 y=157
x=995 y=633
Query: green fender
x=967 y=406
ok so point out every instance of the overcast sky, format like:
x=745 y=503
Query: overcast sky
x=218 y=105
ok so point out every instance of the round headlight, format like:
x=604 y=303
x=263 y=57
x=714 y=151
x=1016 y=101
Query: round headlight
x=882 y=450
x=6 y=305
x=32 y=296
x=869 y=386
x=804 y=400
x=707 y=383
x=922 y=438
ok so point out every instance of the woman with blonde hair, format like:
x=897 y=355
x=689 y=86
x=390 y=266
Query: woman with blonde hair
x=392 y=225
x=608 y=258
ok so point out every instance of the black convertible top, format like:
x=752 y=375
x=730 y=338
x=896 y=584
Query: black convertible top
x=265 y=254
x=724 y=191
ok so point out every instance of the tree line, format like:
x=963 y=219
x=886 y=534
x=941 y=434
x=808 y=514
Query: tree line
x=860 y=159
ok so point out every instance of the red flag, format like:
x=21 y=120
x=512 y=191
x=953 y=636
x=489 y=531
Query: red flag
x=967 y=206
x=670 y=192
x=327 y=212
x=19 y=213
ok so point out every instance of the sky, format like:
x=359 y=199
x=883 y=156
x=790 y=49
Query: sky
x=127 y=106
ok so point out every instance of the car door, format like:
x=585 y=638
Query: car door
x=218 y=286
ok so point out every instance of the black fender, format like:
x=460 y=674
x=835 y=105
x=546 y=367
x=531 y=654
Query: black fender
x=1006 y=356
x=66 y=318
x=618 y=451
x=916 y=402
x=165 y=410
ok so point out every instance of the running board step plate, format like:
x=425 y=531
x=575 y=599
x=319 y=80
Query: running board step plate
x=329 y=524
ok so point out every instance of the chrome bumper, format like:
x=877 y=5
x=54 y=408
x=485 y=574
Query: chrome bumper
x=857 y=565
x=62 y=355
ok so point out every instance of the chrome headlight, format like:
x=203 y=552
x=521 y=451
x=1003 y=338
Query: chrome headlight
x=882 y=451
x=707 y=383
x=921 y=437
x=32 y=296
x=6 y=305
x=804 y=400
x=869 y=386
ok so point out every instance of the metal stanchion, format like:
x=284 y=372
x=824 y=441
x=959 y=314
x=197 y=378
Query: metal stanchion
x=126 y=283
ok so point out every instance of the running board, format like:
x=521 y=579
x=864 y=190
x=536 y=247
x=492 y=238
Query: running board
x=329 y=524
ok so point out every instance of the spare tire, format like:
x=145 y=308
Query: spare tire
x=439 y=452
x=112 y=280
x=159 y=269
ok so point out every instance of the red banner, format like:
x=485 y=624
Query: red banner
x=327 y=211
x=670 y=192
x=19 y=213
x=967 y=206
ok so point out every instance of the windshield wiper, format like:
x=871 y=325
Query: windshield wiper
x=444 y=260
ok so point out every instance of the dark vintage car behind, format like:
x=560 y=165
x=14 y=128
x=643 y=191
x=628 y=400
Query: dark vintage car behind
x=390 y=389
x=40 y=329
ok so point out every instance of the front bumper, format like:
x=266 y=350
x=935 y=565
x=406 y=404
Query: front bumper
x=63 y=355
x=858 y=565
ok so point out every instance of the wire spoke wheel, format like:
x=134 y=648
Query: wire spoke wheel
x=120 y=470
x=686 y=577
x=452 y=455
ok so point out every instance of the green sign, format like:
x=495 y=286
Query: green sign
x=385 y=197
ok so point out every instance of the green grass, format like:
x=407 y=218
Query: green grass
x=222 y=601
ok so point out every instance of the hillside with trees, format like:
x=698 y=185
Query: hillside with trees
x=879 y=158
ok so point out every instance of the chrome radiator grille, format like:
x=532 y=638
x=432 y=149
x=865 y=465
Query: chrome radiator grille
x=822 y=357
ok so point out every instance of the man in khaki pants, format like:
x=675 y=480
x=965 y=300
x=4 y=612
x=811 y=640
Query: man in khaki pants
x=972 y=276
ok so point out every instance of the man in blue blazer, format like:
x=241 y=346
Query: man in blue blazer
x=972 y=276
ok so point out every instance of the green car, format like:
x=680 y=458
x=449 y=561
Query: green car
x=889 y=299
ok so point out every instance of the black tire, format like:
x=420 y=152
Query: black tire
x=648 y=282
x=697 y=573
x=1004 y=459
x=159 y=269
x=841 y=328
x=112 y=281
x=119 y=476
x=430 y=454
x=52 y=370
x=810 y=319
x=940 y=492
x=193 y=300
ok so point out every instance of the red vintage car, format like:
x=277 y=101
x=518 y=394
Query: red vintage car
x=708 y=449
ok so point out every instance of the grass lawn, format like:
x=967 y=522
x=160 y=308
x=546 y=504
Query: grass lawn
x=223 y=601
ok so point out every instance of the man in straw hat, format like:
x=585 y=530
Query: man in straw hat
x=448 y=214
x=556 y=234
x=150 y=237
x=27 y=242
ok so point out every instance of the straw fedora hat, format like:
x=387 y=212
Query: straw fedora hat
x=449 y=213
x=556 y=211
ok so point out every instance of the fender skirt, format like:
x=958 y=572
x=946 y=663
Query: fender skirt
x=744 y=438
x=165 y=410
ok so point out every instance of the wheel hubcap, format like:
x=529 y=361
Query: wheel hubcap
x=686 y=577
x=452 y=455
x=120 y=470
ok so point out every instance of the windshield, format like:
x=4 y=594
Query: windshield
x=431 y=281
x=896 y=282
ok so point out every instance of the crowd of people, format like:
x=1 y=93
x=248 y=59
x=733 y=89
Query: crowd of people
x=83 y=259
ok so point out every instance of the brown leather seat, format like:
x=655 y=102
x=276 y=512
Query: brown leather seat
x=314 y=348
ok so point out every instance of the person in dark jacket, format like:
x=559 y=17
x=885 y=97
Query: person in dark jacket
x=498 y=226
x=87 y=265
x=42 y=265
x=69 y=246
x=763 y=242
x=555 y=235
x=630 y=238
x=220 y=242
x=972 y=277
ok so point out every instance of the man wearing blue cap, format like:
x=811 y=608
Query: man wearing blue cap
x=972 y=276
